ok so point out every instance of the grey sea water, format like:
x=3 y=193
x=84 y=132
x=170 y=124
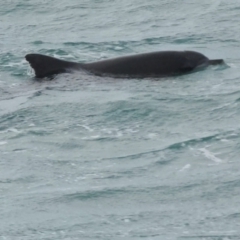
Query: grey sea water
x=84 y=157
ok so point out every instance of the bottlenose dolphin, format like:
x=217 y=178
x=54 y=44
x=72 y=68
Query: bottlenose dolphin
x=153 y=64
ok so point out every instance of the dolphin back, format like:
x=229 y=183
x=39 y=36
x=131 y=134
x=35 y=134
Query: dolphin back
x=154 y=64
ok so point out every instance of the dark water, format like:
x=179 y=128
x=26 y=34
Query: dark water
x=84 y=157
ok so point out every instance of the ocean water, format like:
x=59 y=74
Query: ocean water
x=85 y=157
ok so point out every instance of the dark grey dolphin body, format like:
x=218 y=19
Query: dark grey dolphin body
x=154 y=64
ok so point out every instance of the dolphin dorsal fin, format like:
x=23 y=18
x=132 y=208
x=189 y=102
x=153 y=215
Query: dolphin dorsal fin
x=45 y=66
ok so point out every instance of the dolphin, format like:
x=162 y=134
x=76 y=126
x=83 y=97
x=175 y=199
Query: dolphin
x=154 y=64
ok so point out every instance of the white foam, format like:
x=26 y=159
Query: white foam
x=119 y=134
x=91 y=137
x=210 y=155
x=131 y=130
x=14 y=130
x=87 y=128
x=224 y=140
x=152 y=135
x=11 y=130
x=185 y=167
